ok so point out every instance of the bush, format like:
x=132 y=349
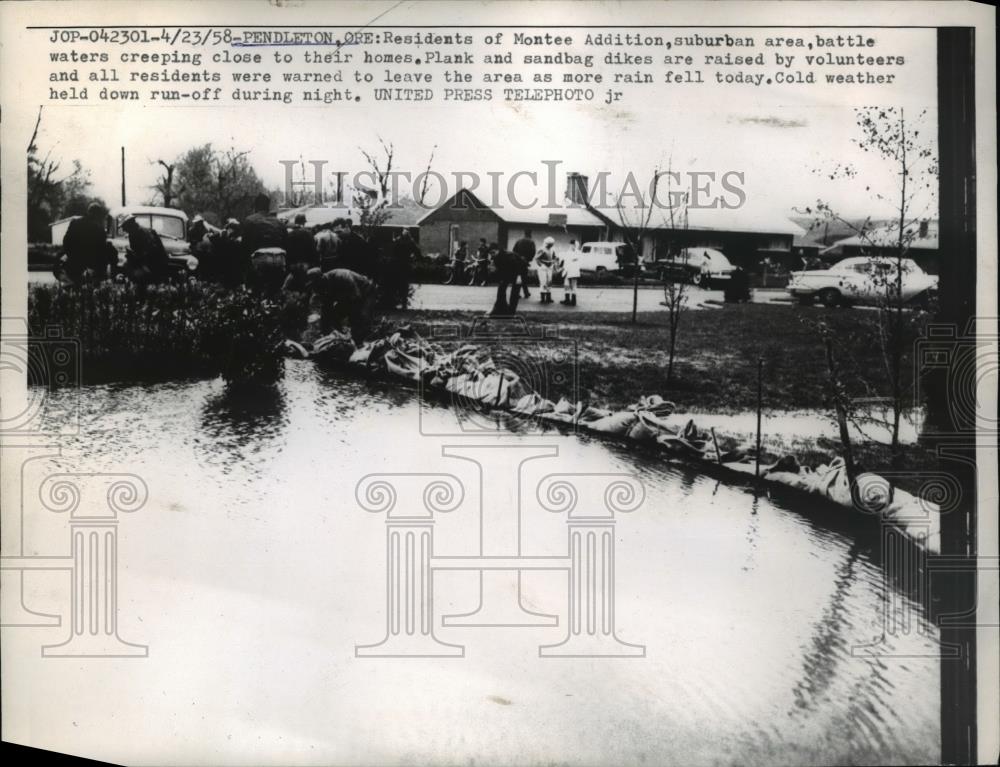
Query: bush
x=166 y=331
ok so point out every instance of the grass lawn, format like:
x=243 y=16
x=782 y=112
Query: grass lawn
x=715 y=368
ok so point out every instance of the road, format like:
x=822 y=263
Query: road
x=588 y=299
x=466 y=298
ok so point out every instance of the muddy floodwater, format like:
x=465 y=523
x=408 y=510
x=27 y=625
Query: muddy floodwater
x=252 y=573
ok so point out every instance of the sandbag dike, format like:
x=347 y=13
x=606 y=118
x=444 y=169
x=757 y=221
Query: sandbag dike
x=469 y=374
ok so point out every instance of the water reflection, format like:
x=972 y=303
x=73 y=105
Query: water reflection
x=241 y=429
x=751 y=602
x=827 y=647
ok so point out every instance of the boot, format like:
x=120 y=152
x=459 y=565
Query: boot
x=566 y=300
x=572 y=300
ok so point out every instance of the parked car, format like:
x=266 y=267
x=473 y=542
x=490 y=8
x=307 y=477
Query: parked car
x=862 y=280
x=704 y=267
x=604 y=256
x=172 y=226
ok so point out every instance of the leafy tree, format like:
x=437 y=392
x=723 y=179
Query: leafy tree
x=216 y=184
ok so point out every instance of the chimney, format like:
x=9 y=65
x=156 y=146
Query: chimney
x=576 y=188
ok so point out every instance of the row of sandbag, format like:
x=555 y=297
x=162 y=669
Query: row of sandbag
x=469 y=373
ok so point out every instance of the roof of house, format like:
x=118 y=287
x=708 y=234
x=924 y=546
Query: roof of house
x=748 y=218
x=805 y=241
x=403 y=214
x=316 y=215
x=887 y=236
x=539 y=214
x=138 y=210
x=752 y=219
x=63 y=221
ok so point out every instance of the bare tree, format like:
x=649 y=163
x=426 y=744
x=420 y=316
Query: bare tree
x=674 y=291
x=164 y=185
x=635 y=224
x=50 y=194
x=422 y=191
x=373 y=203
x=887 y=133
x=382 y=173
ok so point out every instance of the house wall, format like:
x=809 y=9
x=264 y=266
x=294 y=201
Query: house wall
x=743 y=249
x=434 y=236
x=582 y=234
x=471 y=222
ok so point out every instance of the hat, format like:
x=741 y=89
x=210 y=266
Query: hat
x=128 y=221
x=197 y=218
x=549 y=241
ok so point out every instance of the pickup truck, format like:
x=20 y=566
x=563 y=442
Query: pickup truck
x=172 y=226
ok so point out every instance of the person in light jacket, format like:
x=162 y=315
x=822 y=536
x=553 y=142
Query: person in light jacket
x=570 y=265
x=545 y=262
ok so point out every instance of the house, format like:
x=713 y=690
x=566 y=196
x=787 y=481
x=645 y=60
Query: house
x=806 y=250
x=882 y=240
x=465 y=217
x=746 y=235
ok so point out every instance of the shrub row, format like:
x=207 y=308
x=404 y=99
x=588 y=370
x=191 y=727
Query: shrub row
x=169 y=331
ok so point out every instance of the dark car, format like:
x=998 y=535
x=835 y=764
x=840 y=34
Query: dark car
x=704 y=267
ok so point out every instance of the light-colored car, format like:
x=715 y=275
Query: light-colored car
x=603 y=256
x=170 y=223
x=703 y=267
x=862 y=280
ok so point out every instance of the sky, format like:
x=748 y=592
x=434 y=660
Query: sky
x=784 y=139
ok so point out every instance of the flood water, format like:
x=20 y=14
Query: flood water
x=252 y=573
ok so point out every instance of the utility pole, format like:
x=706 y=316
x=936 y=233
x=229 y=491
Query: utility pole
x=123 y=177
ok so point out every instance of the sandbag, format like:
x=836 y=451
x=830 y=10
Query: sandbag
x=619 y=423
x=361 y=355
x=334 y=346
x=532 y=404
